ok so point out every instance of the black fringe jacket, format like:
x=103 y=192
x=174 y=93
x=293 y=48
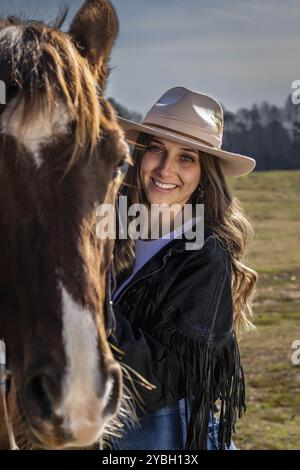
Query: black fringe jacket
x=174 y=328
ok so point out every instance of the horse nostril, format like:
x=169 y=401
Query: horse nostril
x=113 y=390
x=39 y=395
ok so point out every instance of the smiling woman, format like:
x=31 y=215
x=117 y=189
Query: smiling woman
x=178 y=312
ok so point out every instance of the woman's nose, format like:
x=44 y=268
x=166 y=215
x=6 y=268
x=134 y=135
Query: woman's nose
x=165 y=169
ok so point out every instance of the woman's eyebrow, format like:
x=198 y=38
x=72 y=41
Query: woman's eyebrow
x=157 y=141
x=189 y=150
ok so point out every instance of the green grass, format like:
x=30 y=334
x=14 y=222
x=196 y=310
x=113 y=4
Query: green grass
x=272 y=203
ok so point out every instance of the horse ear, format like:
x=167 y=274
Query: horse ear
x=94 y=30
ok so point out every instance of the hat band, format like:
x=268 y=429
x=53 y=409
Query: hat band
x=182 y=134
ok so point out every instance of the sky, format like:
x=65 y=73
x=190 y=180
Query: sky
x=240 y=52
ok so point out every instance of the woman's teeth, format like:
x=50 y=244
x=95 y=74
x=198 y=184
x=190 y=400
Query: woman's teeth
x=164 y=186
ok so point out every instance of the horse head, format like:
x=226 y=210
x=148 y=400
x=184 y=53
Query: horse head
x=59 y=146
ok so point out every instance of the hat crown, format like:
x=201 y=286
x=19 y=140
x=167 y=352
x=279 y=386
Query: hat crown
x=192 y=113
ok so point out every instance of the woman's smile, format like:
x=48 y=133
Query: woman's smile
x=163 y=187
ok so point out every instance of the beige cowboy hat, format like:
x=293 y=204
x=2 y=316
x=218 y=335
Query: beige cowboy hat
x=194 y=120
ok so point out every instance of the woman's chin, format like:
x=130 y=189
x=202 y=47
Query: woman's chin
x=154 y=197
x=160 y=200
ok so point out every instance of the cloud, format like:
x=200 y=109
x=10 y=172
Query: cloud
x=242 y=51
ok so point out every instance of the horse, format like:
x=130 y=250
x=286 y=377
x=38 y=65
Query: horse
x=60 y=146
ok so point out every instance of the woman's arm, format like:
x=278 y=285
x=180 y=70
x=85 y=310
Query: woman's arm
x=157 y=365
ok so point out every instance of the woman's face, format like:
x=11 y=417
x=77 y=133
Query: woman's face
x=170 y=172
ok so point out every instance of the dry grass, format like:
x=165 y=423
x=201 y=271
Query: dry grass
x=272 y=420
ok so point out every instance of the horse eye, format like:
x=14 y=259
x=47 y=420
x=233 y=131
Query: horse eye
x=118 y=170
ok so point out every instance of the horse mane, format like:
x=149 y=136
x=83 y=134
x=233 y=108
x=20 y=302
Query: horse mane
x=56 y=23
x=50 y=69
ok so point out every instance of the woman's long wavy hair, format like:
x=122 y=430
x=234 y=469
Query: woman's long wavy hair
x=223 y=214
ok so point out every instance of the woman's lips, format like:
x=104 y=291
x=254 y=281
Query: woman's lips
x=162 y=190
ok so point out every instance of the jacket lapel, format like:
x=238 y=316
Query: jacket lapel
x=157 y=262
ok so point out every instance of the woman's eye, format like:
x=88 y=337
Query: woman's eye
x=187 y=158
x=154 y=149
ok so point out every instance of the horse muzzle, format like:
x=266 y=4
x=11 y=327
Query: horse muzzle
x=61 y=415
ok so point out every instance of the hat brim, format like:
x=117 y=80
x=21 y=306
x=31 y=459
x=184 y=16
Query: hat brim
x=233 y=164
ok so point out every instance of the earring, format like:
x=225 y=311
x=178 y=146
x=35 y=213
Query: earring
x=200 y=190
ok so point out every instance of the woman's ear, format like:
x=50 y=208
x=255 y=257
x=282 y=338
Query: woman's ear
x=94 y=30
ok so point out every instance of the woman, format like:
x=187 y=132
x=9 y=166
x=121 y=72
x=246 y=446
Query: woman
x=178 y=311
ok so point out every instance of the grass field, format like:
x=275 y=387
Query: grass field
x=272 y=203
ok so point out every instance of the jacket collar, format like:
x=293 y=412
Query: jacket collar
x=158 y=261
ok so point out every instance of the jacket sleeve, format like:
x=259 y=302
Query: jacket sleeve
x=149 y=364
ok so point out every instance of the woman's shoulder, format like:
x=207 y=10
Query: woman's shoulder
x=212 y=248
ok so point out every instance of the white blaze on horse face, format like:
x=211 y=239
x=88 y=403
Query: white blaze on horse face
x=40 y=129
x=81 y=407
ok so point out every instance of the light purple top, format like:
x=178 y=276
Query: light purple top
x=146 y=249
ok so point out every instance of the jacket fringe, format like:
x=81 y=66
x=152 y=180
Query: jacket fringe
x=212 y=371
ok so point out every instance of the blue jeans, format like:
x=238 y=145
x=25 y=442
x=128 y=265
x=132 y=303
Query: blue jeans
x=164 y=429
